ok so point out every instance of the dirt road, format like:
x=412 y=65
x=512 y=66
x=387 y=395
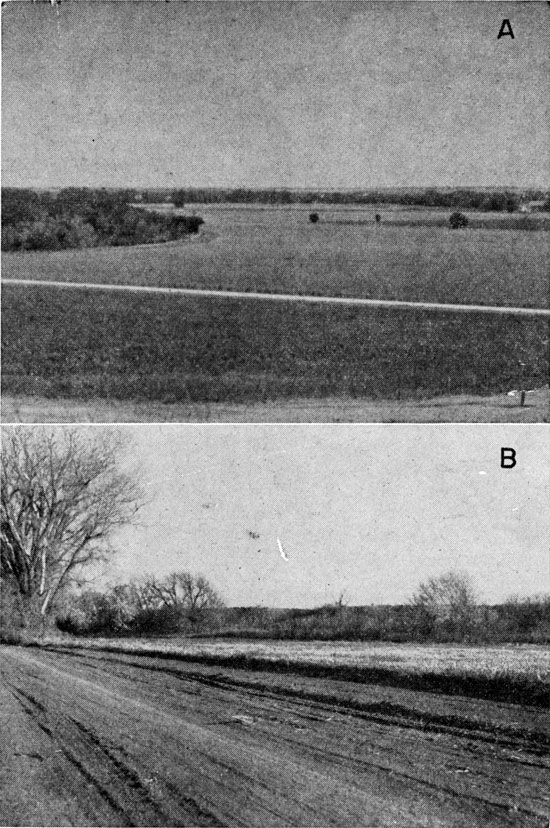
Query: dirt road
x=90 y=738
x=287 y=297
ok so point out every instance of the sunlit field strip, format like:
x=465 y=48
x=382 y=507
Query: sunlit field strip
x=491 y=662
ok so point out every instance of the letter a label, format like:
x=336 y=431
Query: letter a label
x=506 y=29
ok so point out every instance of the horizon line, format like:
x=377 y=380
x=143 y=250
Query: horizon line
x=277 y=188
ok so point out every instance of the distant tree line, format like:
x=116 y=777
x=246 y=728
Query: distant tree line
x=81 y=217
x=457 y=198
x=75 y=217
x=443 y=609
x=518 y=620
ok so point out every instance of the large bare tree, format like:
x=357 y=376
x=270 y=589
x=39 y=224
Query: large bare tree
x=62 y=495
x=180 y=589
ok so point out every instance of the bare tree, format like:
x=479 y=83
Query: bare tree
x=447 y=604
x=146 y=594
x=182 y=589
x=62 y=496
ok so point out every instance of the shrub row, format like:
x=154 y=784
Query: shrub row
x=517 y=621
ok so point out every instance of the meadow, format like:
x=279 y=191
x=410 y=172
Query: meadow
x=85 y=344
x=412 y=255
x=163 y=349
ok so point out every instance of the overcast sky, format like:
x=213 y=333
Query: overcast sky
x=275 y=94
x=365 y=510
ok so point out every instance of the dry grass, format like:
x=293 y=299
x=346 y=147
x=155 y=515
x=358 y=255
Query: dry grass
x=503 y=662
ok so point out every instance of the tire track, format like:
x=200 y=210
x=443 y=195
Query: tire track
x=184 y=745
x=114 y=779
x=387 y=713
x=262 y=697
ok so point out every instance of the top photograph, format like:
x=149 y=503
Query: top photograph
x=275 y=212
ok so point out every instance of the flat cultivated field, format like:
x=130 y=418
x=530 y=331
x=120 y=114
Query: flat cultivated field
x=171 y=349
x=125 y=739
x=83 y=344
x=278 y=250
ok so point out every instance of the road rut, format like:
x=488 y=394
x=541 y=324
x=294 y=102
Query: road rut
x=128 y=740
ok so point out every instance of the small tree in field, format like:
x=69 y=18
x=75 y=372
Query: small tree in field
x=62 y=496
x=457 y=220
x=445 y=606
x=178 y=198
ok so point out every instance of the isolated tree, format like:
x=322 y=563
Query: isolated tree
x=179 y=198
x=62 y=495
x=446 y=605
x=457 y=220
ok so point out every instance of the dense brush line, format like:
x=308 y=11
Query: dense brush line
x=82 y=218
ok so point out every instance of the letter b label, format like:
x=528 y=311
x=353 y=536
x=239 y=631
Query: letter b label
x=507 y=458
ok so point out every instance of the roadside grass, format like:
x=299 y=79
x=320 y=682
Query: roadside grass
x=279 y=251
x=516 y=674
x=85 y=344
x=468 y=408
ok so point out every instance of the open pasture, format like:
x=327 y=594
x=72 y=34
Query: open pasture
x=84 y=344
x=409 y=256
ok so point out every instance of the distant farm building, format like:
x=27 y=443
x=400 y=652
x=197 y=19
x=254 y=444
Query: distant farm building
x=532 y=207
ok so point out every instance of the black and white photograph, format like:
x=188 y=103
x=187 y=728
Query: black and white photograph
x=275 y=390
x=276 y=211
x=275 y=625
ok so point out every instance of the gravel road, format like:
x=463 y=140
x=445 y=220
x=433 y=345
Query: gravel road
x=286 y=297
x=90 y=738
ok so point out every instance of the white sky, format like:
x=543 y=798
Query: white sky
x=369 y=510
x=330 y=94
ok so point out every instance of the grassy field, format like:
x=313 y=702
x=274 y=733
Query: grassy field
x=411 y=256
x=518 y=673
x=170 y=350
x=88 y=344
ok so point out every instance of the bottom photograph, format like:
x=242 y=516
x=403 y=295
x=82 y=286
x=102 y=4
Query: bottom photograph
x=275 y=625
